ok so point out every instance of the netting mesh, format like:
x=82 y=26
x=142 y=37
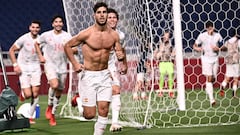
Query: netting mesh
x=143 y=22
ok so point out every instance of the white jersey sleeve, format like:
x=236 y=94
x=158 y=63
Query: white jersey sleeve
x=122 y=38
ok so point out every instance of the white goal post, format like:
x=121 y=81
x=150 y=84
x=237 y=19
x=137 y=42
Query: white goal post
x=143 y=22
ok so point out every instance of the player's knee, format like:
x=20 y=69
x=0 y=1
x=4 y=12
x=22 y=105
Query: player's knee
x=89 y=115
x=103 y=111
x=27 y=94
x=115 y=90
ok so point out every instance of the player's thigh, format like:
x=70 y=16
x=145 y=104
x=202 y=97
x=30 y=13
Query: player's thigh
x=25 y=80
x=61 y=80
x=207 y=68
x=36 y=78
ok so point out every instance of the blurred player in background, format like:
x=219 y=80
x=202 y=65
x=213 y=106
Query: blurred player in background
x=95 y=79
x=210 y=42
x=232 y=62
x=143 y=69
x=27 y=66
x=55 y=63
x=116 y=102
x=165 y=54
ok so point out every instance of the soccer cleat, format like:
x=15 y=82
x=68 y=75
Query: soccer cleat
x=52 y=121
x=48 y=113
x=171 y=95
x=115 y=128
x=31 y=121
x=21 y=98
x=160 y=94
x=222 y=93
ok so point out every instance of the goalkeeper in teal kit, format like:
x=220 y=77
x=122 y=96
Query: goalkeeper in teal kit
x=164 y=54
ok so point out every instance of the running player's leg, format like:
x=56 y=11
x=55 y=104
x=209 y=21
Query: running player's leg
x=26 y=93
x=116 y=106
x=35 y=83
x=228 y=74
x=235 y=79
x=138 y=85
x=170 y=78
x=53 y=82
x=104 y=96
x=209 y=76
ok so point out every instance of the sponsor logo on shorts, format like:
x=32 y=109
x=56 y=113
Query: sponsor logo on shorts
x=85 y=100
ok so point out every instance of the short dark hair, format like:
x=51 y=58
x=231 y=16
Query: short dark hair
x=55 y=17
x=111 y=10
x=209 y=24
x=98 y=5
x=36 y=22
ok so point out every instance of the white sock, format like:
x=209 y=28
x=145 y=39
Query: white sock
x=234 y=88
x=50 y=96
x=135 y=94
x=143 y=94
x=55 y=104
x=209 y=90
x=224 y=84
x=33 y=106
x=79 y=104
x=116 y=105
x=100 y=125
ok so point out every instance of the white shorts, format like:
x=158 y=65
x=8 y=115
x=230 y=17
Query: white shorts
x=115 y=74
x=52 y=74
x=232 y=70
x=95 y=86
x=28 y=79
x=209 y=68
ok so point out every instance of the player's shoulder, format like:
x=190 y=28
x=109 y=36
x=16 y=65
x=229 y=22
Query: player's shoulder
x=47 y=32
x=26 y=35
x=66 y=33
x=86 y=32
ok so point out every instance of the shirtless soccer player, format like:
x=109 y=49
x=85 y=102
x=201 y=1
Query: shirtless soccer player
x=95 y=78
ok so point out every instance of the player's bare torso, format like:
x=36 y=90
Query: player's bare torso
x=97 y=46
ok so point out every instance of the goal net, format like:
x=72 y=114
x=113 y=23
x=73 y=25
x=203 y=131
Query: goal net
x=143 y=22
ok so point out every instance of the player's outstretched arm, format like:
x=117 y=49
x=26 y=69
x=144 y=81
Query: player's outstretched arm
x=39 y=52
x=121 y=55
x=12 y=51
x=68 y=48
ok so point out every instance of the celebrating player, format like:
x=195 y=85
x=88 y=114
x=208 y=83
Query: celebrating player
x=27 y=65
x=210 y=42
x=55 y=63
x=95 y=79
x=232 y=63
x=116 y=102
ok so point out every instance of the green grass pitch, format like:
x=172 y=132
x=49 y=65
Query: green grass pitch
x=75 y=127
